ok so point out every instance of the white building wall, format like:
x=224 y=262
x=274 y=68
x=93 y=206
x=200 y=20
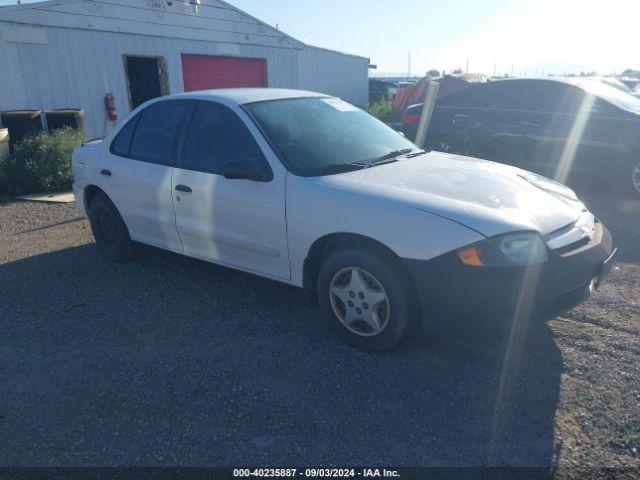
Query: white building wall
x=335 y=73
x=70 y=53
x=76 y=68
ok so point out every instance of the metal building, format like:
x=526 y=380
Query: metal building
x=73 y=53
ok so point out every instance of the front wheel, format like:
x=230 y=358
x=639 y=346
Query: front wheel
x=366 y=298
x=635 y=178
x=456 y=147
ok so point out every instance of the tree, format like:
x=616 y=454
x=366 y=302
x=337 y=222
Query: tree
x=433 y=73
x=457 y=71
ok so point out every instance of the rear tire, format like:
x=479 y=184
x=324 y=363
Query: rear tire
x=109 y=230
x=383 y=280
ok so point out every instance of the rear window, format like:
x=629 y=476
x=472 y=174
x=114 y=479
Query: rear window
x=612 y=95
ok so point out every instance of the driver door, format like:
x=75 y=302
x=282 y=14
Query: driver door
x=233 y=222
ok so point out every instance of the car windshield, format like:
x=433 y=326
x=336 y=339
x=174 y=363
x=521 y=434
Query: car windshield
x=319 y=136
x=613 y=95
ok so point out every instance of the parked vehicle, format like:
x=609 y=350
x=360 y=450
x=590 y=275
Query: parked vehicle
x=380 y=90
x=615 y=83
x=573 y=130
x=415 y=93
x=314 y=192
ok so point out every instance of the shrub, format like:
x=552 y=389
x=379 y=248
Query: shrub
x=41 y=163
x=381 y=110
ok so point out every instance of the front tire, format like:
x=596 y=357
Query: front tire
x=635 y=178
x=109 y=230
x=629 y=176
x=366 y=298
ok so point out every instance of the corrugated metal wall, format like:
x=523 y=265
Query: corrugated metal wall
x=69 y=54
x=76 y=68
x=335 y=73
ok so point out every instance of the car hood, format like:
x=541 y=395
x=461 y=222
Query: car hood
x=487 y=197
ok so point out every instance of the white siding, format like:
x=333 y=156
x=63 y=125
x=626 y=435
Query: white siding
x=69 y=54
x=335 y=73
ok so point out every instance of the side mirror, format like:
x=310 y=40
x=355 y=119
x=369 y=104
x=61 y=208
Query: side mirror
x=245 y=169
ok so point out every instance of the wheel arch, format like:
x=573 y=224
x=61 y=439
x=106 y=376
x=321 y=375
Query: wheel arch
x=90 y=191
x=323 y=246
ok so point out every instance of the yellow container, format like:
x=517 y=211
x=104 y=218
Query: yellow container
x=4 y=143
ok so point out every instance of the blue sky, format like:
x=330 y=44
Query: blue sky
x=530 y=36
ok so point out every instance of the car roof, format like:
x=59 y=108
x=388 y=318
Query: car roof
x=242 y=96
x=612 y=95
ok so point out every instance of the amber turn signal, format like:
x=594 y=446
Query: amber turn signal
x=471 y=256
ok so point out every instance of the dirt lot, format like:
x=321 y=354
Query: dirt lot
x=171 y=361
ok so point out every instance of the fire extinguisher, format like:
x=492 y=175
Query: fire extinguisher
x=110 y=106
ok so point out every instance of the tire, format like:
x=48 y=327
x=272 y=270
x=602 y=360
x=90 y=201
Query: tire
x=446 y=145
x=629 y=176
x=377 y=268
x=110 y=232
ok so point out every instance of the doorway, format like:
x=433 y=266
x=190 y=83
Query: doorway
x=146 y=78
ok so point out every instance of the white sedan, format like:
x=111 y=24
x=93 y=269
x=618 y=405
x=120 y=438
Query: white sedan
x=309 y=190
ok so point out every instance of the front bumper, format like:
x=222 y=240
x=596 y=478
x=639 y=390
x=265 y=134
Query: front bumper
x=451 y=291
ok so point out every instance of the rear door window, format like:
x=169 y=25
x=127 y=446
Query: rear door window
x=541 y=96
x=156 y=135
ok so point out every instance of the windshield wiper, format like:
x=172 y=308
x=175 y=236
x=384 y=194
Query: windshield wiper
x=339 y=168
x=417 y=154
x=389 y=157
x=351 y=166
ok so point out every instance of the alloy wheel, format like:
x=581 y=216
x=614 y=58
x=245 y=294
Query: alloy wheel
x=360 y=302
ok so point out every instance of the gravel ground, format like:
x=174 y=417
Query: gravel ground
x=170 y=361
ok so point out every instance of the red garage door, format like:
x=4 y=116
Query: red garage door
x=203 y=72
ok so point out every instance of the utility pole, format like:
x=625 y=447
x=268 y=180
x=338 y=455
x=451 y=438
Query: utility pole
x=467 y=64
x=409 y=74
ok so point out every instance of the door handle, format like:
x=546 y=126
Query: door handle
x=106 y=173
x=183 y=189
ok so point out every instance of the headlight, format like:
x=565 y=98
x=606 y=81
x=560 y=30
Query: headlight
x=511 y=250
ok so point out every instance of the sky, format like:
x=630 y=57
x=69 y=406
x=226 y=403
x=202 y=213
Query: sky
x=523 y=37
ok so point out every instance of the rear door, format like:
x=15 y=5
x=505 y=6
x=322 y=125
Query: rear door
x=239 y=223
x=464 y=116
x=137 y=173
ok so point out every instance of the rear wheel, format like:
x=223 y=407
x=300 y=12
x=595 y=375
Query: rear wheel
x=109 y=230
x=365 y=297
